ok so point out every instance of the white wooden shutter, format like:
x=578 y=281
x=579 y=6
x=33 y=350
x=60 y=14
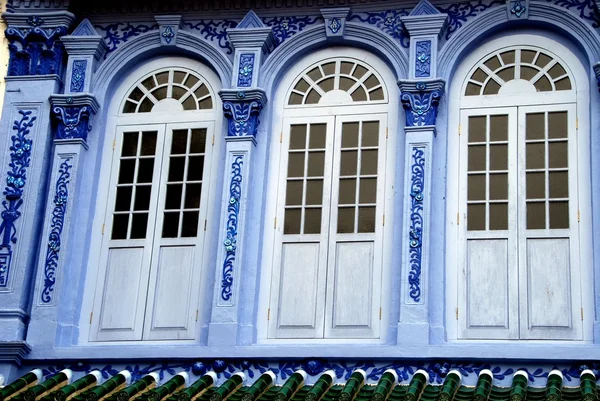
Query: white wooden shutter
x=120 y=299
x=176 y=268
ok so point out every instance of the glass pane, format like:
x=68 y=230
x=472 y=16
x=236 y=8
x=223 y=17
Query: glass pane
x=146 y=106
x=318 y=133
x=543 y=84
x=192 y=196
x=346 y=83
x=542 y=60
x=296 y=165
x=347 y=191
x=492 y=88
x=123 y=202
x=191 y=81
x=179 y=144
x=349 y=135
x=476 y=187
x=173 y=199
x=359 y=71
x=160 y=93
x=142 y=197
x=315 y=74
x=149 y=83
x=178 y=92
x=316 y=164
x=126 y=171
x=535 y=155
x=366 y=219
x=498 y=216
x=302 y=86
x=145 y=170
x=559 y=214
x=298 y=136
x=162 y=78
x=558 y=154
x=498 y=128
x=314 y=192
x=368 y=164
x=527 y=56
x=295 y=99
x=507 y=74
x=498 y=186
x=139 y=223
x=493 y=63
x=293 y=193
x=327 y=84
x=370 y=133
x=312 y=221
x=479 y=75
x=536 y=185
x=477 y=129
x=534 y=126
x=527 y=73
x=536 y=215
x=129 y=107
x=368 y=190
x=201 y=91
x=130 y=143
x=178 y=76
x=189 y=103
x=377 y=94
x=472 y=89
x=205 y=104
x=189 y=226
x=313 y=97
x=359 y=95
x=563 y=84
x=346 y=67
x=198 y=141
x=291 y=223
x=556 y=71
x=120 y=224
x=345 y=220
x=195 y=168
x=499 y=157
x=170 y=225
x=475 y=217
x=371 y=82
x=149 y=143
x=476 y=158
x=348 y=163
x=508 y=57
x=559 y=184
x=176 y=167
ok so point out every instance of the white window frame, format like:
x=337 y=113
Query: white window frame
x=116 y=120
x=458 y=102
x=282 y=117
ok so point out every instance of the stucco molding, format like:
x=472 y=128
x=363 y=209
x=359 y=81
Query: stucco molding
x=14 y=351
x=355 y=34
x=496 y=18
x=597 y=72
x=187 y=42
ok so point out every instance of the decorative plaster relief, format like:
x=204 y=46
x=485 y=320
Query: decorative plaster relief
x=246 y=70
x=459 y=13
x=417 y=187
x=423 y=59
x=78 y=75
x=343 y=369
x=214 y=31
x=387 y=21
x=242 y=114
x=335 y=25
x=72 y=121
x=61 y=197
x=20 y=157
x=230 y=242
x=421 y=107
x=586 y=9
x=286 y=27
x=168 y=34
x=120 y=32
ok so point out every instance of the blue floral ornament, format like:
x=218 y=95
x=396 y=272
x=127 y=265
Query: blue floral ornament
x=219 y=365
x=168 y=34
x=313 y=367
x=198 y=368
x=518 y=9
x=335 y=25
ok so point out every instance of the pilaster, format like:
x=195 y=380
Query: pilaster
x=420 y=97
x=242 y=106
x=35 y=67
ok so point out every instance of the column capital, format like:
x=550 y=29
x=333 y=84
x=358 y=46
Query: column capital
x=71 y=115
x=420 y=100
x=242 y=108
x=35 y=48
x=597 y=72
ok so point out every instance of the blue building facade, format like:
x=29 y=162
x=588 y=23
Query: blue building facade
x=320 y=185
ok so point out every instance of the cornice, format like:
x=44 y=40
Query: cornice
x=14 y=351
x=83 y=99
x=48 y=19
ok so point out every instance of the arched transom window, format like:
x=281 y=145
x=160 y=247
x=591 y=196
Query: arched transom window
x=169 y=86
x=337 y=81
x=519 y=186
x=156 y=206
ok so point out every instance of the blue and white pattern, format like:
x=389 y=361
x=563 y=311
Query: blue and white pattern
x=335 y=25
x=36 y=50
x=214 y=31
x=73 y=121
x=61 y=198
x=423 y=59
x=518 y=9
x=459 y=13
x=246 y=70
x=20 y=158
x=343 y=369
x=78 y=75
x=286 y=27
x=421 y=107
x=118 y=33
x=168 y=34
x=242 y=117
x=586 y=9
x=233 y=211
x=387 y=21
x=417 y=186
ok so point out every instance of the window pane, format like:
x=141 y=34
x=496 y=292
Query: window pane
x=145 y=170
x=559 y=214
x=298 y=136
x=507 y=74
x=349 y=135
x=312 y=221
x=359 y=95
x=557 y=125
x=296 y=165
x=189 y=227
x=498 y=128
x=370 y=133
x=536 y=185
x=535 y=126
x=179 y=144
x=476 y=187
x=368 y=190
x=348 y=163
x=148 y=143
x=318 y=133
x=198 y=141
x=536 y=215
x=327 y=84
x=493 y=63
x=314 y=192
x=313 y=97
x=558 y=154
x=142 y=197
x=173 y=200
x=139 y=223
x=477 y=158
x=130 y=144
x=347 y=191
x=291 y=223
x=368 y=164
x=499 y=216
x=559 y=184
x=123 y=202
x=556 y=71
x=170 y=225
x=126 y=171
x=366 y=219
x=120 y=224
x=316 y=164
x=535 y=155
x=345 y=220
x=195 y=168
x=498 y=157
x=475 y=217
x=176 y=167
x=294 y=193
x=543 y=84
x=192 y=196
x=477 y=129
x=492 y=88
x=498 y=186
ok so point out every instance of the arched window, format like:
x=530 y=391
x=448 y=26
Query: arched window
x=331 y=179
x=522 y=252
x=149 y=280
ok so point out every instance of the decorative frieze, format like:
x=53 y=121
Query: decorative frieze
x=388 y=22
x=20 y=158
x=420 y=101
x=246 y=70
x=78 y=75
x=242 y=109
x=233 y=211
x=417 y=189
x=423 y=59
x=35 y=48
x=71 y=115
